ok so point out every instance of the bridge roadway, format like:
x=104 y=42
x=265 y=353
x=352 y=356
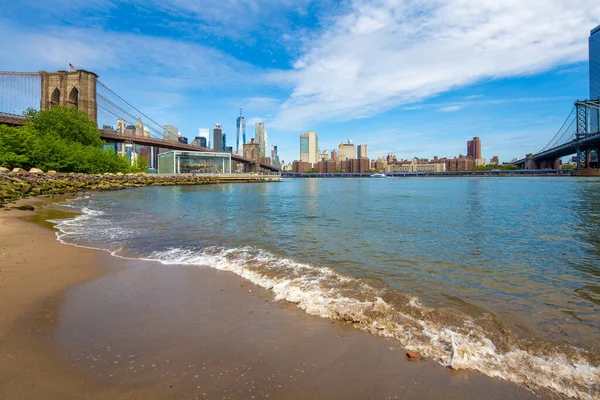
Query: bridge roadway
x=565 y=149
x=113 y=136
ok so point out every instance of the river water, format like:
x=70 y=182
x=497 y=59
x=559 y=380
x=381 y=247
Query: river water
x=498 y=275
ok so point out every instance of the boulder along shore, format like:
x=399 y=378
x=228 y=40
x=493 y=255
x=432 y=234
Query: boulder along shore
x=19 y=183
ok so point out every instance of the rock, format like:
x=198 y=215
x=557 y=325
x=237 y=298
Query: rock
x=51 y=172
x=36 y=171
x=412 y=356
x=4 y=170
x=119 y=174
x=20 y=171
x=25 y=207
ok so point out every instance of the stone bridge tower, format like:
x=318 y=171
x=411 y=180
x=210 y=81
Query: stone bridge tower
x=76 y=88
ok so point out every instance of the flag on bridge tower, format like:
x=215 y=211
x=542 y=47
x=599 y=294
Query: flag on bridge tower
x=71 y=67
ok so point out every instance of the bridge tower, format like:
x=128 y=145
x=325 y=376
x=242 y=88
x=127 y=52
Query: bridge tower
x=76 y=88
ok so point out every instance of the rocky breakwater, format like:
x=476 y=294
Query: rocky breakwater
x=19 y=183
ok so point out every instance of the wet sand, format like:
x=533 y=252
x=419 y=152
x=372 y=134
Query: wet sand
x=78 y=323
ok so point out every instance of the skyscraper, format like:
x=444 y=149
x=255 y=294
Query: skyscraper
x=260 y=135
x=474 y=148
x=218 y=137
x=363 y=151
x=240 y=125
x=346 y=151
x=595 y=76
x=170 y=133
x=309 y=147
x=224 y=146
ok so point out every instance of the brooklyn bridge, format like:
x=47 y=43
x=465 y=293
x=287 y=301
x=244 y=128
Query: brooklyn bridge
x=42 y=90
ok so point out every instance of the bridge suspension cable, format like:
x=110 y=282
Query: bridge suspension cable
x=556 y=139
x=19 y=91
x=112 y=108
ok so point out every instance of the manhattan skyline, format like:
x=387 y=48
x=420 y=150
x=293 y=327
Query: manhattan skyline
x=300 y=66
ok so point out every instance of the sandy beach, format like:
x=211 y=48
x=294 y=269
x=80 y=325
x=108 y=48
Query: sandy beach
x=79 y=323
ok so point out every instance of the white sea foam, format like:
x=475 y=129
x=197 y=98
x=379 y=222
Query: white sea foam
x=325 y=293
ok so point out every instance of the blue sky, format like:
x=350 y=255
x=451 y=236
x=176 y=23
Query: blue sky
x=409 y=77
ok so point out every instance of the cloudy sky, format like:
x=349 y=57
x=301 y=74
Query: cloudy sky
x=409 y=77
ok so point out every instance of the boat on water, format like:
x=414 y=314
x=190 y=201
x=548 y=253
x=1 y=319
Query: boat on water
x=378 y=176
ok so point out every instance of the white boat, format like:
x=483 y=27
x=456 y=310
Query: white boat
x=378 y=176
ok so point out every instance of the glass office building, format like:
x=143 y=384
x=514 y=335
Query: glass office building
x=194 y=162
x=595 y=75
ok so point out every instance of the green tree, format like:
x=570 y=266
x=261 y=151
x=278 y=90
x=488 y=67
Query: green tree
x=68 y=123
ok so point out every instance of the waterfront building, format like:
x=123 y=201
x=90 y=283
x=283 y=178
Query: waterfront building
x=474 y=148
x=326 y=167
x=170 y=133
x=240 y=126
x=301 y=167
x=346 y=151
x=217 y=138
x=334 y=155
x=309 y=147
x=416 y=165
x=363 y=151
x=494 y=160
x=595 y=76
x=194 y=162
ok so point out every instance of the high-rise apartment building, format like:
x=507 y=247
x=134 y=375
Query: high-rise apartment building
x=240 y=126
x=260 y=135
x=363 y=151
x=309 y=147
x=346 y=151
x=474 y=148
x=217 y=138
x=170 y=133
x=595 y=76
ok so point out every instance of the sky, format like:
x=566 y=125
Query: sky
x=416 y=78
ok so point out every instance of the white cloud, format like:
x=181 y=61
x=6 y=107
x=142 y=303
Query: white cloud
x=450 y=108
x=384 y=52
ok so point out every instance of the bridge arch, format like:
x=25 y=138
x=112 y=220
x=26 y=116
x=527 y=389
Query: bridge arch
x=55 y=98
x=73 y=97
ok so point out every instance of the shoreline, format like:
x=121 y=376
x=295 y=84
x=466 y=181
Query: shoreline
x=62 y=306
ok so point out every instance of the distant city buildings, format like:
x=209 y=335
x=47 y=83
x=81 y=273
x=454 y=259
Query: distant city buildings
x=346 y=151
x=363 y=151
x=199 y=141
x=170 y=133
x=323 y=156
x=595 y=76
x=217 y=138
x=260 y=136
x=240 y=126
x=309 y=147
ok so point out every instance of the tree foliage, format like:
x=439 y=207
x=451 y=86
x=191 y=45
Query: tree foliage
x=61 y=139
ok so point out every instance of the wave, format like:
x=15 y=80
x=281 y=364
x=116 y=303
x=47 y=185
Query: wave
x=446 y=335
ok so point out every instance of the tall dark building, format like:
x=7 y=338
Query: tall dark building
x=224 y=143
x=218 y=138
x=240 y=125
x=595 y=76
x=182 y=139
x=199 y=141
x=474 y=148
